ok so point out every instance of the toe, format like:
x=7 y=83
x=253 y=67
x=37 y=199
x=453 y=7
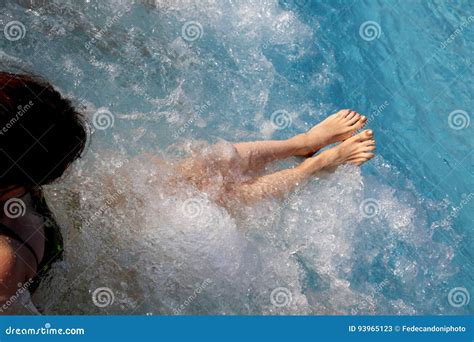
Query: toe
x=343 y=113
x=360 y=123
x=351 y=115
x=365 y=135
x=357 y=161
x=354 y=119
x=362 y=155
x=367 y=155
x=363 y=147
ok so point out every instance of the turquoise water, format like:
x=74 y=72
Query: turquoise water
x=167 y=73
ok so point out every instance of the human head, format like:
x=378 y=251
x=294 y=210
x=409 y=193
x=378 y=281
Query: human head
x=41 y=133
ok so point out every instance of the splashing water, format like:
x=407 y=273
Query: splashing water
x=156 y=76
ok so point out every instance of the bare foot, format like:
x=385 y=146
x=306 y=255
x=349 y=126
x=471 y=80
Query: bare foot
x=337 y=127
x=355 y=150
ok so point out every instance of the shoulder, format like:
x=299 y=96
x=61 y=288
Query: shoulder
x=13 y=267
x=8 y=257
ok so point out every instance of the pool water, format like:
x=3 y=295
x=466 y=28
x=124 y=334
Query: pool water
x=393 y=237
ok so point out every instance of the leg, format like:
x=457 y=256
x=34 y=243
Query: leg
x=256 y=154
x=355 y=150
x=337 y=127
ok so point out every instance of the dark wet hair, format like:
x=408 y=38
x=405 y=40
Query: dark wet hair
x=41 y=133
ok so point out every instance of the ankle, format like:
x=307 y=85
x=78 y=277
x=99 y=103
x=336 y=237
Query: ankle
x=312 y=165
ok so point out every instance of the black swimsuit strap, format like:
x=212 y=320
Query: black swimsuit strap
x=4 y=230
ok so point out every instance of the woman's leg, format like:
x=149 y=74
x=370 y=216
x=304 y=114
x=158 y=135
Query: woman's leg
x=256 y=154
x=355 y=150
x=337 y=127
